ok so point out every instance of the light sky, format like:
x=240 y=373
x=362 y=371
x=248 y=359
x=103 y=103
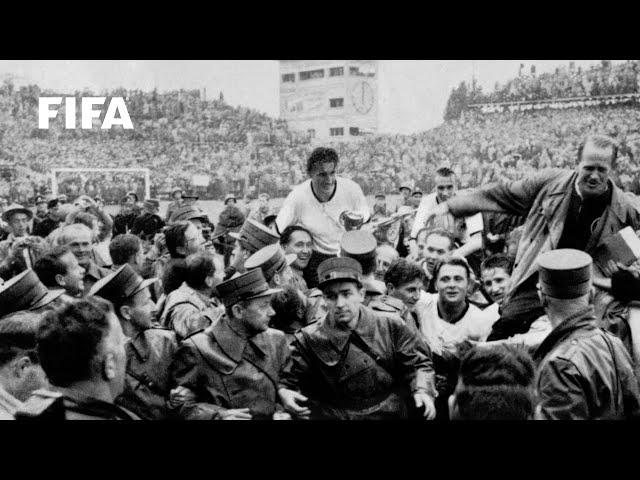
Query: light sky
x=413 y=93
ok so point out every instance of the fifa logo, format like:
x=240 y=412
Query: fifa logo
x=116 y=106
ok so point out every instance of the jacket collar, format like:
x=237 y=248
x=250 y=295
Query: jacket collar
x=230 y=342
x=92 y=271
x=339 y=337
x=140 y=346
x=584 y=319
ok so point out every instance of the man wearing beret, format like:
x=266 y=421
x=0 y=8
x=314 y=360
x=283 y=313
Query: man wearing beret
x=147 y=224
x=583 y=372
x=577 y=209
x=151 y=349
x=319 y=204
x=233 y=366
x=356 y=363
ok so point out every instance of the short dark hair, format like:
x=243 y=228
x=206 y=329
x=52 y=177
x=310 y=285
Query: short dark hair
x=442 y=233
x=496 y=383
x=122 y=247
x=286 y=304
x=285 y=236
x=174 y=237
x=198 y=267
x=498 y=260
x=69 y=339
x=18 y=336
x=600 y=141
x=85 y=218
x=49 y=265
x=403 y=271
x=455 y=261
x=321 y=155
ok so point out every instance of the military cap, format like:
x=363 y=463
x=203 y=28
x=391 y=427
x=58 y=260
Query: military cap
x=339 y=269
x=132 y=194
x=229 y=196
x=416 y=192
x=380 y=195
x=151 y=203
x=389 y=304
x=247 y=286
x=253 y=236
x=25 y=291
x=565 y=273
x=264 y=196
x=122 y=284
x=16 y=208
x=269 y=218
x=40 y=199
x=374 y=287
x=187 y=212
x=176 y=189
x=404 y=186
x=270 y=260
x=360 y=245
x=53 y=203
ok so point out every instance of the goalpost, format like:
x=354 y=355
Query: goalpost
x=144 y=171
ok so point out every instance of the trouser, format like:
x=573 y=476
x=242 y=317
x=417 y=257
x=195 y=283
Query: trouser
x=310 y=273
x=520 y=311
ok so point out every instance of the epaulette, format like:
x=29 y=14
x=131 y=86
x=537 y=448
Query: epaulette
x=42 y=405
x=388 y=304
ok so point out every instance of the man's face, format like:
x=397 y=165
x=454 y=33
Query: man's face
x=380 y=202
x=496 y=283
x=131 y=200
x=343 y=300
x=593 y=171
x=452 y=284
x=409 y=292
x=385 y=256
x=445 y=187
x=41 y=208
x=141 y=311
x=323 y=178
x=231 y=201
x=73 y=278
x=436 y=247
x=177 y=195
x=114 y=343
x=257 y=314
x=416 y=198
x=19 y=223
x=193 y=240
x=80 y=245
x=406 y=193
x=300 y=243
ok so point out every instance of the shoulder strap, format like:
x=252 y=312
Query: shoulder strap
x=362 y=345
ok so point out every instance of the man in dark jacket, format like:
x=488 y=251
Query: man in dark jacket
x=583 y=373
x=233 y=366
x=147 y=224
x=356 y=363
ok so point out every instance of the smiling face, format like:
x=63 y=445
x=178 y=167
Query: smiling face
x=300 y=243
x=593 y=170
x=452 y=284
x=409 y=292
x=436 y=247
x=323 y=179
x=445 y=187
x=496 y=283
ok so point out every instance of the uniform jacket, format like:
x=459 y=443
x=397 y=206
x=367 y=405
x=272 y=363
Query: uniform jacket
x=585 y=373
x=147 y=384
x=544 y=198
x=186 y=311
x=341 y=380
x=92 y=274
x=147 y=225
x=228 y=371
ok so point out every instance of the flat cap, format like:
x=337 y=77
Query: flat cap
x=270 y=260
x=565 y=273
x=245 y=287
x=40 y=199
x=229 y=196
x=122 y=284
x=25 y=291
x=339 y=269
x=253 y=236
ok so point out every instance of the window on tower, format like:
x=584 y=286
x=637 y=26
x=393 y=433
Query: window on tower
x=336 y=102
x=288 y=77
x=336 y=132
x=336 y=72
x=354 y=131
x=311 y=74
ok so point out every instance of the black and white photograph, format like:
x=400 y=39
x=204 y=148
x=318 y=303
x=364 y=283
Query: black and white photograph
x=426 y=241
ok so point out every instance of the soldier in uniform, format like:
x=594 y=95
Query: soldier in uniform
x=583 y=372
x=356 y=363
x=149 y=222
x=252 y=237
x=151 y=349
x=25 y=291
x=81 y=348
x=275 y=265
x=233 y=366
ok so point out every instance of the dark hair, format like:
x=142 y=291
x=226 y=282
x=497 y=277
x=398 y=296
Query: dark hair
x=286 y=304
x=455 y=261
x=498 y=260
x=442 y=233
x=199 y=266
x=69 y=338
x=403 y=271
x=174 y=237
x=122 y=247
x=18 y=336
x=50 y=265
x=321 y=155
x=496 y=383
x=600 y=141
x=445 y=172
x=85 y=218
x=285 y=236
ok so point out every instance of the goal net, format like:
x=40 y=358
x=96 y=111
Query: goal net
x=109 y=183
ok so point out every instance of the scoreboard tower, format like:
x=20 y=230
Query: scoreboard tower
x=330 y=99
